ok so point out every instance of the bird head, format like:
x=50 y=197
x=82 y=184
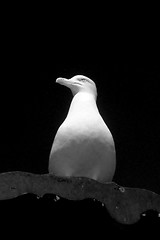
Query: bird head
x=79 y=83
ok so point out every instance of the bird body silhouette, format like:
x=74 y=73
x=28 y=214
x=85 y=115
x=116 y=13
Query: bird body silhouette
x=83 y=145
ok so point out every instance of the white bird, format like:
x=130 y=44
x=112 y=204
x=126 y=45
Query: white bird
x=83 y=145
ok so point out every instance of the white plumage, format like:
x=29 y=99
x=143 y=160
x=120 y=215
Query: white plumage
x=83 y=145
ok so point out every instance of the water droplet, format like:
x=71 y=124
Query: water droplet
x=122 y=189
x=56 y=198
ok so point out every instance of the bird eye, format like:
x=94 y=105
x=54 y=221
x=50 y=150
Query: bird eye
x=82 y=79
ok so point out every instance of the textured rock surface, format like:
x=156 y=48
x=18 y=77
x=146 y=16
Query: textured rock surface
x=123 y=204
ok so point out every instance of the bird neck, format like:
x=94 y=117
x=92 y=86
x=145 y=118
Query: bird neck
x=83 y=102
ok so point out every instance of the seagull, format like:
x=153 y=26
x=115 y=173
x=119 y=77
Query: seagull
x=83 y=145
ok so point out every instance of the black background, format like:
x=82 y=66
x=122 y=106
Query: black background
x=33 y=106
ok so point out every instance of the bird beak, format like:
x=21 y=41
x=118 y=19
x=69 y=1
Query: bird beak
x=66 y=82
x=63 y=81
